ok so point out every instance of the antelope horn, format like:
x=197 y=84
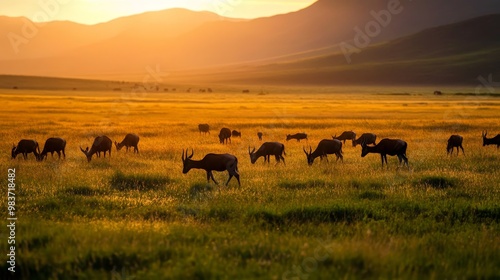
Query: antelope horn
x=310 y=150
x=192 y=153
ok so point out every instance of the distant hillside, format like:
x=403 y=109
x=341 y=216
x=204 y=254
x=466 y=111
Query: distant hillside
x=179 y=39
x=451 y=54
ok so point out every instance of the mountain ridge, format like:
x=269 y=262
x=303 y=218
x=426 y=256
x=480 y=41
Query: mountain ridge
x=457 y=54
x=206 y=40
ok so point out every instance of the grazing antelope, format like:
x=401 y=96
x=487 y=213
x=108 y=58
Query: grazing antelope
x=491 y=141
x=101 y=144
x=236 y=133
x=212 y=162
x=130 y=140
x=225 y=135
x=25 y=147
x=392 y=147
x=346 y=135
x=367 y=138
x=52 y=145
x=297 y=136
x=204 y=127
x=267 y=150
x=325 y=147
x=259 y=134
x=455 y=141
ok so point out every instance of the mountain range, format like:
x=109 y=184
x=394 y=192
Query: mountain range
x=421 y=41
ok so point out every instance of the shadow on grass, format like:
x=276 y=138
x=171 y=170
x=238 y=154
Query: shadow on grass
x=293 y=185
x=140 y=182
x=436 y=182
x=82 y=190
x=317 y=215
x=371 y=195
x=367 y=184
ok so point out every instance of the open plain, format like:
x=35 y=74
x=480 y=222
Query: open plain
x=136 y=216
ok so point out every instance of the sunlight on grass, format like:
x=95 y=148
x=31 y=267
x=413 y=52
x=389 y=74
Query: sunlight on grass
x=139 y=214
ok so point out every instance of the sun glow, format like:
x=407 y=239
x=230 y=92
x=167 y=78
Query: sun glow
x=94 y=11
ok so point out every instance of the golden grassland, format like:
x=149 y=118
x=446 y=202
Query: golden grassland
x=138 y=215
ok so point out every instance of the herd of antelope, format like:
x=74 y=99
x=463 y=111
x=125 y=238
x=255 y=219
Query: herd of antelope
x=58 y=145
x=227 y=162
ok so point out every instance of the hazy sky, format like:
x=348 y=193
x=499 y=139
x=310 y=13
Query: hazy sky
x=94 y=11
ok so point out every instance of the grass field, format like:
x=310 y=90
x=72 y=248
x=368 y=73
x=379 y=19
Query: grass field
x=138 y=217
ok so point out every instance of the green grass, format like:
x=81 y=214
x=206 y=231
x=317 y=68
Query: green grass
x=136 y=216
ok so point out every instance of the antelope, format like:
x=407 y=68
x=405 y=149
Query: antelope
x=325 y=147
x=455 y=141
x=491 y=141
x=204 y=127
x=130 y=140
x=212 y=162
x=259 y=134
x=267 y=150
x=386 y=147
x=236 y=133
x=52 y=145
x=25 y=147
x=297 y=136
x=346 y=135
x=225 y=135
x=367 y=138
x=101 y=144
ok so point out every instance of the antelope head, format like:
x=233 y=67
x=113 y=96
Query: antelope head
x=253 y=156
x=186 y=161
x=14 y=151
x=364 y=150
x=118 y=146
x=310 y=159
x=87 y=154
